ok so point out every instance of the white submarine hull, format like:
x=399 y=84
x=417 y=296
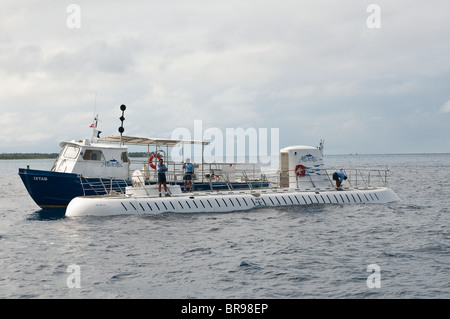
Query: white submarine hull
x=223 y=202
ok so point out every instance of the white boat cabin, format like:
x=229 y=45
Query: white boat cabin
x=93 y=159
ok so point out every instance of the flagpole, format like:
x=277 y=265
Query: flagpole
x=94 y=128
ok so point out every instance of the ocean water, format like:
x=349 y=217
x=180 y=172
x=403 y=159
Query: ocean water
x=318 y=251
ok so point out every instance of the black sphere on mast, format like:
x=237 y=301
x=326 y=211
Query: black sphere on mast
x=122 y=118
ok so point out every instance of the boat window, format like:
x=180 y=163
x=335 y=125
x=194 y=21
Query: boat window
x=93 y=155
x=71 y=152
x=124 y=157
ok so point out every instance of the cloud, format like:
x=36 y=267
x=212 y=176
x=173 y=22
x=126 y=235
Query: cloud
x=303 y=67
x=445 y=108
x=99 y=56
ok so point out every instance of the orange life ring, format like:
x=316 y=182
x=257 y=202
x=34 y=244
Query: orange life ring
x=300 y=170
x=150 y=160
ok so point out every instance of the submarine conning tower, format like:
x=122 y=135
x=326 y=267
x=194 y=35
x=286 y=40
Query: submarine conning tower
x=302 y=167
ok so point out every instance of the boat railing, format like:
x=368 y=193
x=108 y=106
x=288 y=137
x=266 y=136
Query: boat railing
x=205 y=173
x=248 y=173
x=102 y=186
x=224 y=173
x=323 y=179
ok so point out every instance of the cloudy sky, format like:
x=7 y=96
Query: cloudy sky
x=313 y=69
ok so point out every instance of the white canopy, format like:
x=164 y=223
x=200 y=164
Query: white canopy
x=148 y=141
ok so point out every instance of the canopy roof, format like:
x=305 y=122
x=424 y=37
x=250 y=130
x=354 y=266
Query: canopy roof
x=148 y=141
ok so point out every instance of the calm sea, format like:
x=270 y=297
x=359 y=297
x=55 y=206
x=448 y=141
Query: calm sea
x=319 y=251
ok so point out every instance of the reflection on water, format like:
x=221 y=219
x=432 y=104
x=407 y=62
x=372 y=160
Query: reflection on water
x=48 y=214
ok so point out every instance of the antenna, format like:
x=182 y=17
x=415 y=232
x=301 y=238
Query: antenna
x=95 y=102
x=95 y=132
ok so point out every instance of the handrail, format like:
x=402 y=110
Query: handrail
x=102 y=186
x=358 y=178
x=320 y=179
x=220 y=172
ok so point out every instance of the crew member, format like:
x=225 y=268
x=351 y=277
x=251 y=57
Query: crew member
x=339 y=177
x=188 y=174
x=162 y=169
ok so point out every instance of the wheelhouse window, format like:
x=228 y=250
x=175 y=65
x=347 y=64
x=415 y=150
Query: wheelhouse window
x=93 y=155
x=71 y=152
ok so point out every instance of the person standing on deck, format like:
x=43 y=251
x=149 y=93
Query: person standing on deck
x=162 y=169
x=188 y=174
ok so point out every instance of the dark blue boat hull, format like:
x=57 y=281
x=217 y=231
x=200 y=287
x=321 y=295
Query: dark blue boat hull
x=55 y=190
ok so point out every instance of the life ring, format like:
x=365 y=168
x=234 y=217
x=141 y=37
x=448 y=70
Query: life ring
x=150 y=160
x=299 y=170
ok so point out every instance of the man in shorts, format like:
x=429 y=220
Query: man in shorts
x=339 y=177
x=188 y=174
x=162 y=169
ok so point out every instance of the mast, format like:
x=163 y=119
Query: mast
x=122 y=118
x=95 y=132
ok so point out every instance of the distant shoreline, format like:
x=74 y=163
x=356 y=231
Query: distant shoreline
x=18 y=156
x=13 y=156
